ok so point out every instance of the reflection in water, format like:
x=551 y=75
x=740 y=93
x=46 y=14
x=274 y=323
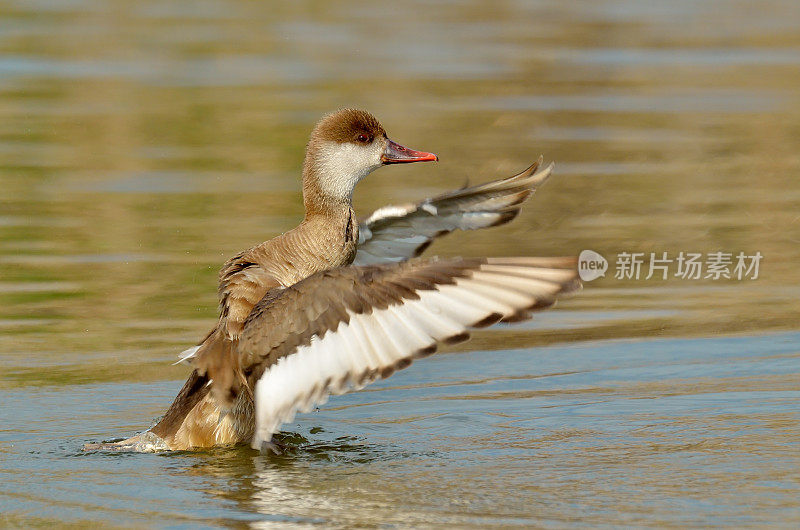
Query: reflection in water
x=144 y=142
x=295 y=486
x=285 y=490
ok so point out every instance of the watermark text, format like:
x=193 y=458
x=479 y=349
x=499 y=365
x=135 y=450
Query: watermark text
x=663 y=265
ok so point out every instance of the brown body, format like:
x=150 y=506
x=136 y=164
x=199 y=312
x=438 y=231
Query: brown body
x=204 y=414
x=199 y=418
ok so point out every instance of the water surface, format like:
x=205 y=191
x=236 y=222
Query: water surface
x=143 y=143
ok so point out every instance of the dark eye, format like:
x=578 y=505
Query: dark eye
x=363 y=138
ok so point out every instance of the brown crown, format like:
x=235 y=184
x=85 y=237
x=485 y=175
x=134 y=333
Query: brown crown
x=346 y=125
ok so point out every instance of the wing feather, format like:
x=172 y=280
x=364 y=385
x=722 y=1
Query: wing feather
x=398 y=233
x=342 y=329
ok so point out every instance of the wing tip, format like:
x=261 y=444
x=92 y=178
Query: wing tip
x=427 y=351
x=457 y=338
x=491 y=318
x=530 y=170
x=540 y=177
x=533 y=170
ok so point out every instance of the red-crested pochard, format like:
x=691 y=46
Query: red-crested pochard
x=332 y=305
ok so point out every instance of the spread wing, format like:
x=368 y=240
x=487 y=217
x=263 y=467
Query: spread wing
x=342 y=329
x=398 y=233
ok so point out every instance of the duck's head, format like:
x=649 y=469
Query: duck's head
x=345 y=147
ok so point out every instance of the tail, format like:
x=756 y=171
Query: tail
x=193 y=391
x=216 y=370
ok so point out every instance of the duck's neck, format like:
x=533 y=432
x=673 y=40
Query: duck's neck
x=317 y=203
x=329 y=210
x=327 y=191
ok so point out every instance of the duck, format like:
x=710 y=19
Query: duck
x=336 y=304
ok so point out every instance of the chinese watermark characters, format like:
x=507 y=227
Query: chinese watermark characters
x=662 y=265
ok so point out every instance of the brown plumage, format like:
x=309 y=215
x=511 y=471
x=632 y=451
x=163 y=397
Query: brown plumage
x=346 y=125
x=297 y=322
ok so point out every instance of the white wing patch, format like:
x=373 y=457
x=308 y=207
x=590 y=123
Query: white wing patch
x=430 y=208
x=373 y=345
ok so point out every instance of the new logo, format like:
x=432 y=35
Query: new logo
x=591 y=265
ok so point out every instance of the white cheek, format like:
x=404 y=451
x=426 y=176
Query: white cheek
x=341 y=166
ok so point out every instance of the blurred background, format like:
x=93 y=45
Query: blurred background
x=143 y=142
